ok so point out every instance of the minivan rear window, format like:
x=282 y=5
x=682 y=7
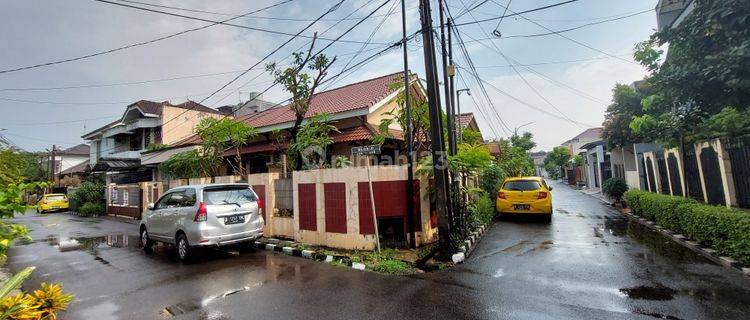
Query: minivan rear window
x=228 y=195
x=521 y=185
x=55 y=197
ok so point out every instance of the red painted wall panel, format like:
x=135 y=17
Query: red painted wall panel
x=390 y=201
x=307 y=206
x=260 y=190
x=335 y=207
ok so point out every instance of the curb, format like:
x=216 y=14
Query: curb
x=682 y=240
x=469 y=245
x=272 y=245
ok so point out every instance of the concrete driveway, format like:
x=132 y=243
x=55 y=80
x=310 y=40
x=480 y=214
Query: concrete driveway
x=589 y=263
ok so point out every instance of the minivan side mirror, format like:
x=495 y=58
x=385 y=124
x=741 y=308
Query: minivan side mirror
x=151 y=206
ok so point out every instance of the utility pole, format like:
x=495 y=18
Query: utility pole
x=452 y=73
x=440 y=167
x=458 y=112
x=447 y=84
x=409 y=138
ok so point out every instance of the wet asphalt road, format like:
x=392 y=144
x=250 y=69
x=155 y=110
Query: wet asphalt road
x=589 y=263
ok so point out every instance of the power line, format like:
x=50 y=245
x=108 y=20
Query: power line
x=528 y=84
x=59 y=122
x=514 y=13
x=548 y=62
x=218 y=22
x=566 y=37
x=248 y=17
x=126 y=83
x=534 y=35
x=475 y=73
x=137 y=44
x=318 y=52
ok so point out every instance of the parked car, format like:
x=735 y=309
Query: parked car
x=196 y=216
x=525 y=195
x=53 y=202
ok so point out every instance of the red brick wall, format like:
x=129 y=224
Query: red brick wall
x=335 y=207
x=307 y=206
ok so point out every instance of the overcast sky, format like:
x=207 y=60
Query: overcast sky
x=575 y=75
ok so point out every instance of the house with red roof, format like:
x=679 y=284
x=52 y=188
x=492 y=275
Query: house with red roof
x=356 y=110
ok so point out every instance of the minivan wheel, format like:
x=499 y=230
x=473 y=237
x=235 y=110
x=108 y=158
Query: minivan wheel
x=183 y=247
x=146 y=242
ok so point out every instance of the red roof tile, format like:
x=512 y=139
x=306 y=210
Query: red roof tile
x=354 y=96
x=464 y=119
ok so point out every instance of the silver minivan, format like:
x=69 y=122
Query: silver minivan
x=196 y=216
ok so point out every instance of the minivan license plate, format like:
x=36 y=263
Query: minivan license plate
x=522 y=207
x=234 y=219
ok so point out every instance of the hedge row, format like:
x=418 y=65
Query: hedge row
x=725 y=230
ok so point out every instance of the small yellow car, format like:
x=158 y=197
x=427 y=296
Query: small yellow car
x=525 y=195
x=52 y=202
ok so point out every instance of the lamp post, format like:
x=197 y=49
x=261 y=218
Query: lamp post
x=458 y=113
x=515 y=132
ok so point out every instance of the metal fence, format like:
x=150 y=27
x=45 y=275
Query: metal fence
x=692 y=175
x=739 y=156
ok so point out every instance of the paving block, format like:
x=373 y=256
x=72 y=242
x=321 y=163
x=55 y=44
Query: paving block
x=358 y=266
x=746 y=271
x=287 y=250
x=462 y=249
x=329 y=258
x=458 y=257
x=727 y=261
x=270 y=247
x=308 y=254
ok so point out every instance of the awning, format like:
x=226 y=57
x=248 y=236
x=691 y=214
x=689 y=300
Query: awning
x=110 y=164
x=158 y=157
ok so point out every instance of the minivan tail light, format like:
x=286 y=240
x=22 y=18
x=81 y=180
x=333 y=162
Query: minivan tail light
x=201 y=214
x=501 y=195
x=542 y=195
x=260 y=203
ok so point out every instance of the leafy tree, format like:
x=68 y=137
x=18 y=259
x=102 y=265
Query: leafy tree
x=184 y=165
x=706 y=70
x=219 y=135
x=471 y=136
x=470 y=159
x=626 y=104
x=302 y=87
x=578 y=160
x=556 y=159
x=313 y=137
x=420 y=115
x=525 y=141
x=514 y=161
x=19 y=166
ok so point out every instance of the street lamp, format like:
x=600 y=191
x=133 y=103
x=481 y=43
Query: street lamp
x=515 y=132
x=458 y=114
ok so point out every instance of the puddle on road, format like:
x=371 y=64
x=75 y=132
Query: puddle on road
x=661 y=246
x=658 y=292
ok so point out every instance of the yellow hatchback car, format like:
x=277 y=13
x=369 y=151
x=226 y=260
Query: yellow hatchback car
x=52 y=202
x=525 y=195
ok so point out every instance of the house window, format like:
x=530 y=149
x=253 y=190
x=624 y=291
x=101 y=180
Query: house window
x=157 y=135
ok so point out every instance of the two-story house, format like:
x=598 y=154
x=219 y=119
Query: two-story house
x=116 y=147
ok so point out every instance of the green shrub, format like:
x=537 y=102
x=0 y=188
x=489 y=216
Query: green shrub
x=725 y=230
x=90 y=209
x=633 y=200
x=89 y=192
x=481 y=211
x=615 y=188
